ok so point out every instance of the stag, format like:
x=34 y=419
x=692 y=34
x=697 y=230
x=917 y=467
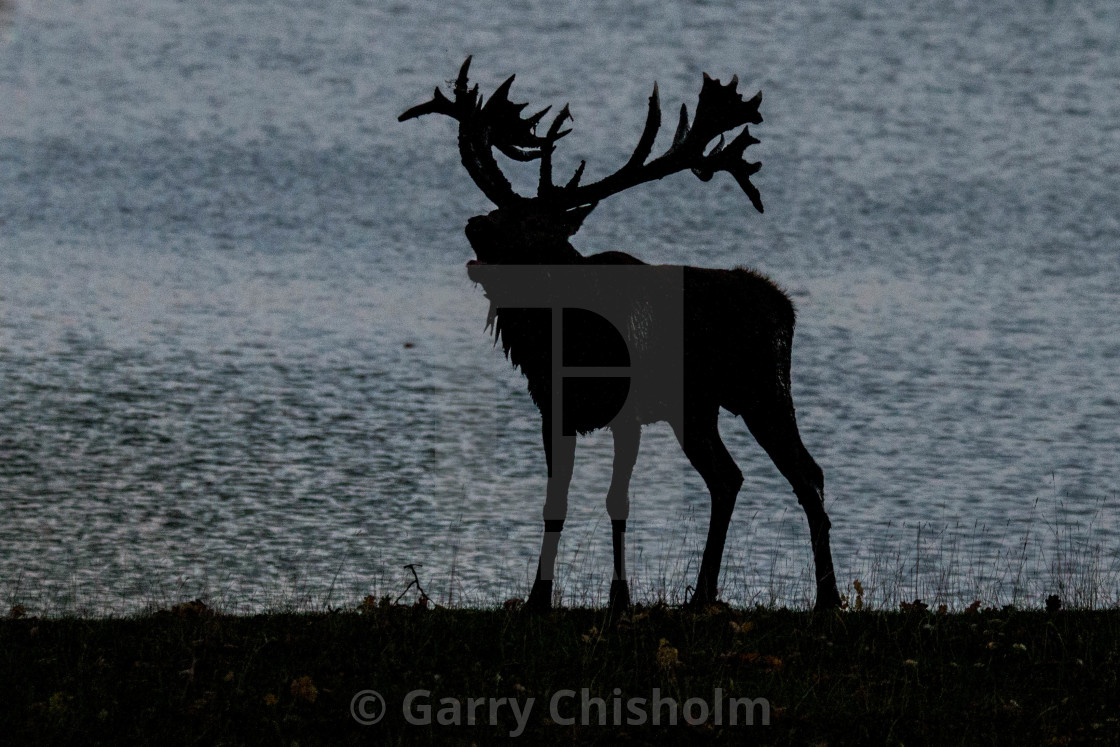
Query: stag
x=721 y=340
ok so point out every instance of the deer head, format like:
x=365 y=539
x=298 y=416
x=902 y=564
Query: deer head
x=535 y=230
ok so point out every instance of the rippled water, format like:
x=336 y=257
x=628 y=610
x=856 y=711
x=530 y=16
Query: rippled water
x=239 y=355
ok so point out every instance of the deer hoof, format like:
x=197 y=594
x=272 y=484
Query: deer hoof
x=700 y=601
x=540 y=598
x=694 y=605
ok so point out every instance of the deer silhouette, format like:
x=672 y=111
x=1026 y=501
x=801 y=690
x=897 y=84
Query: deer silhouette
x=606 y=340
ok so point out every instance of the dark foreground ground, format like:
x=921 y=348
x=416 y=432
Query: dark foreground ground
x=189 y=676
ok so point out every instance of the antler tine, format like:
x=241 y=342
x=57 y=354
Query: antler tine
x=515 y=137
x=730 y=159
x=536 y=118
x=719 y=110
x=649 y=131
x=545 y=186
x=461 y=80
x=482 y=126
x=438 y=105
x=574 y=181
x=682 y=127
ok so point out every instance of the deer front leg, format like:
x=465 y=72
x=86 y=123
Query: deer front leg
x=560 y=453
x=627 y=437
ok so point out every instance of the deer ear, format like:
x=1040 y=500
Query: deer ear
x=574 y=218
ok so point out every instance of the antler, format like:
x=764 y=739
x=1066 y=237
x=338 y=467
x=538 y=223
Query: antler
x=497 y=123
x=720 y=109
x=494 y=123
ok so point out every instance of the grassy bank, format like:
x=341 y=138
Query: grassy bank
x=915 y=676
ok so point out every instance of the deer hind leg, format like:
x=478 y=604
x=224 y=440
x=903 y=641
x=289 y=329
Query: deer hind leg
x=774 y=426
x=559 y=452
x=699 y=437
x=627 y=437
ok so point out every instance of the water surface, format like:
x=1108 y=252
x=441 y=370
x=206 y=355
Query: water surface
x=240 y=357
